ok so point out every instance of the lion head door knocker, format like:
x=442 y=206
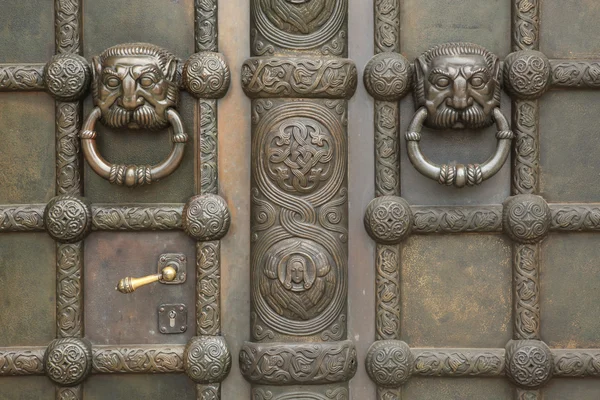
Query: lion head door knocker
x=457 y=86
x=134 y=86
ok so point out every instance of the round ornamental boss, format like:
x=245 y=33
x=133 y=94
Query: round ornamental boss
x=67 y=76
x=206 y=75
x=206 y=217
x=527 y=74
x=526 y=218
x=389 y=363
x=388 y=219
x=68 y=362
x=207 y=359
x=529 y=363
x=68 y=219
x=388 y=77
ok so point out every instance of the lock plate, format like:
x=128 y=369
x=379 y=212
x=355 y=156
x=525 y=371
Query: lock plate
x=172 y=318
x=177 y=261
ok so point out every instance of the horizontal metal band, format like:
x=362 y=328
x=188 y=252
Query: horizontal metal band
x=136 y=217
x=22 y=77
x=579 y=363
x=22 y=361
x=316 y=77
x=575 y=74
x=458 y=362
x=575 y=217
x=22 y=218
x=142 y=359
x=298 y=363
x=457 y=219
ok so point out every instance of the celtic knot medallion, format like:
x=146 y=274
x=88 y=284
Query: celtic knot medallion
x=388 y=76
x=67 y=76
x=68 y=219
x=527 y=74
x=389 y=363
x=388 y=219
x=529 y=363
x=299 y=155
x=68 y=362
x=207 y=359
x=526 y=218
x=206 y=217
x=206 y=75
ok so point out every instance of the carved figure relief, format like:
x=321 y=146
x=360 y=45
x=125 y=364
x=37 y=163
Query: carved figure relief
x=298 y=256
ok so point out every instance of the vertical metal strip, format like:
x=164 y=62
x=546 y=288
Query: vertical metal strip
x=526 y=158
x=208 y=254
x=387 y=183
x=69 y=257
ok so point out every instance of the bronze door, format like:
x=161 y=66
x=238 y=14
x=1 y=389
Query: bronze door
x=299 y=199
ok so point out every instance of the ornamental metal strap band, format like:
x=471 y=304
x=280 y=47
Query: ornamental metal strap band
x=299 y=85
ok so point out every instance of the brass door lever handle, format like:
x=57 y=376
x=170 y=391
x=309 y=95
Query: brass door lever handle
x=129 y=284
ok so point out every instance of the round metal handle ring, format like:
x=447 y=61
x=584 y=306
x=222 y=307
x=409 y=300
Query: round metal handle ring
x=133 y=175
x=459 y=175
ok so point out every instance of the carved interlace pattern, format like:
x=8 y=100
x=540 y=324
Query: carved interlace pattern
x=206 y=25
x=299 y=77
x=526 y=26
x=69 y=393
x=576 y=74
x=576 y=363
x=527 y=153
x=208 y=288
x=387 y=150
x=136 y=218
x=527 y=291
x=21 y=218
x=459 y=363
x=207 y=359
x=22 y=77
x=340 y=393
x=69 y=313
x=389 y=363
x=573 y=217
x=457 y=219
x=68 y=27
x=142 y=359
x=209 y=174
x=387 y=25
x=68 y=123
x=21 y=362
x=285 y=364
x=387 y=321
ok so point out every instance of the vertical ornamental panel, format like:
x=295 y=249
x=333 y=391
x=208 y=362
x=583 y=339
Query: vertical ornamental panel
x=299 y=85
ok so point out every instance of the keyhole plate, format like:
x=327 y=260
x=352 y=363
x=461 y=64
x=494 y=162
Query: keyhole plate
x=172 y=318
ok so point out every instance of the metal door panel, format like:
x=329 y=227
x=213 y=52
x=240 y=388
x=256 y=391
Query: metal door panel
x=572 y=389
x=113 y=318
x=427 y=23
x=28 y=263
x=27 y=161
x=571 y=296
x=169 y=24
x=446 y=388
x=568 y=153
x=31 y=17
x=569 y=29
x=26 y=388
x=456 y=291
x=151 y=387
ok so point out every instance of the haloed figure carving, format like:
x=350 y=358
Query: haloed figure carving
x=459 y=85
x=134 y=85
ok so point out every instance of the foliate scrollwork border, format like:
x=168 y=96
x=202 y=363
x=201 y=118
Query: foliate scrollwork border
x=22 y=361
x=138 y=359
x=22 y=77
x=302 y=363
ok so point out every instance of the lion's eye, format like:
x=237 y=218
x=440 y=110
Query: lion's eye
x=112 y=82
x=146 y=81
x=477 y=81
x=442 y=82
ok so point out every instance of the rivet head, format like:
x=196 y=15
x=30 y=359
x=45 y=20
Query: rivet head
x=206 y=217
x=206 y=75
x=526 y=218
x=68 y=219
x=527 y=74
x=67 y=77
x=529 y=363
x=389 y=363
x=68 y=362
x=388 y=76
x=207 y=359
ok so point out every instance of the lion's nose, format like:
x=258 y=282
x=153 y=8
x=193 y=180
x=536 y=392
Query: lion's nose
x=132 y=102
x=460 y=99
